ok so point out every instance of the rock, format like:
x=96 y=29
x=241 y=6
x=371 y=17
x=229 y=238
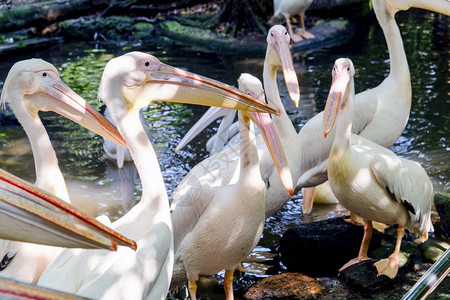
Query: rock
x=286 y=286
x=363 y=278
x=433 y=249
x=442 y=204
x=321 y=248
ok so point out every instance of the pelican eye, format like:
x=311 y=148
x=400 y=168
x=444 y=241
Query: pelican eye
x=147 y=63
x=44 y=74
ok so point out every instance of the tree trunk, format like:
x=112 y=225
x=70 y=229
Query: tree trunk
x=41 y=13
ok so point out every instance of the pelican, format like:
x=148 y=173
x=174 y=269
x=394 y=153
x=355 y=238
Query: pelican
x=371 y=180
x=290 y=8
x=217 y=227
x=31 y=86
x=129 y=83
x=223 y=168
x=380 y=113
x=30 y=214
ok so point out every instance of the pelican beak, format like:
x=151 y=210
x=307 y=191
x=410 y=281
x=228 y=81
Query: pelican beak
x=273 y=143
x=270 y=136
x=210 y=115
x=438 y=6
x=193 y=89
x=13 y=289
x=285 y=57
x=339 y=88
x=30 y=214
x=70 y=105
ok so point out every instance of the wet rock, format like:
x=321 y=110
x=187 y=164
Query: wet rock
x=433 y=249
x=363 y=278
x=286 y=286
x=321 y=248
x=442 y=204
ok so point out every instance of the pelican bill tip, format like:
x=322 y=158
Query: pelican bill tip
x=114 y=245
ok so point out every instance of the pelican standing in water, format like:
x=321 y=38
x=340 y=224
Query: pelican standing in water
x=129 y=83
x=290 y=8
x=218 y=227
x=381 y=113
x=31 y=86
x=371 y=180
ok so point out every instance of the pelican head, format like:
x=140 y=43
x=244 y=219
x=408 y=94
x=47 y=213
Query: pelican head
x=144 y=78
x=343 y=72
x=279 y=54
x=34 y=85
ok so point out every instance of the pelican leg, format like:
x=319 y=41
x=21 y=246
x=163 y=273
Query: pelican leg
x=228 y=285
x=389 y=266
x=364 y=246
x=305 y=34
x=308 y=199
x=192 y=287
x=294 y=36
x=357 y=220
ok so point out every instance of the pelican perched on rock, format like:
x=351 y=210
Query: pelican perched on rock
x=371 y=180
x=31 y=86
x=290 y=8
x=219 y=226
x=380 y=113
x=129 y=83
x=223 y=168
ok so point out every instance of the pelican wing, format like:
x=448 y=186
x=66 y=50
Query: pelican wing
x=189 y=203
x=408 y=183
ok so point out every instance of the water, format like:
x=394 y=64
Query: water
x=90 y=176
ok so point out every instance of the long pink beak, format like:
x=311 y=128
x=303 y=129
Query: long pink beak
x=64 y=101
x=337 y=91
x=30 y=214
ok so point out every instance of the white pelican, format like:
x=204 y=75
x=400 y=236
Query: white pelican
x=219 y=226
x=129 y=83
x=223 y=168
x=371 y=180
x=30 y=214
x=31 y=86
x=290 y=8
x=381 y=113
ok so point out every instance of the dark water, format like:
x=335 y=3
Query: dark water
x=90 y=176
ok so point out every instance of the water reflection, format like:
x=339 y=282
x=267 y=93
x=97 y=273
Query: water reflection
x=98 y=187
